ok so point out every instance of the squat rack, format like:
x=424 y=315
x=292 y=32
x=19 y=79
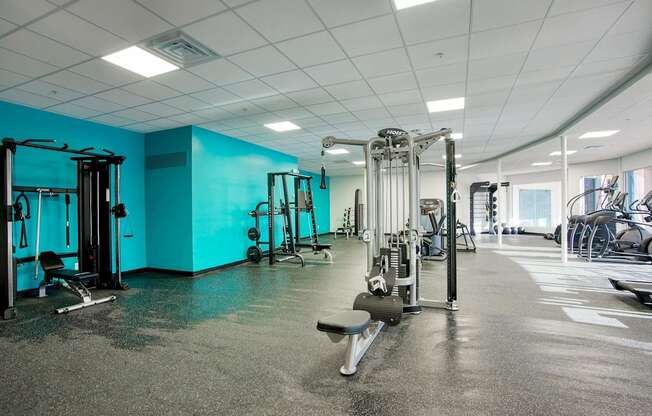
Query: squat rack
x=94 y=212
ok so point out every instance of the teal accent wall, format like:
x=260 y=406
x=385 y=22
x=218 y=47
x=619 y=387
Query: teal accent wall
x=229 y=179
x=198 y=214
x=169 y=201
x=41 y=168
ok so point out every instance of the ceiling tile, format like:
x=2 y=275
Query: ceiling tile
x=141 y=127
x=183 y=81
x=216 y=96
x=18 y=96
x=164 y=123
x=21 y=64
x=98 y=104
x=73 y=110
x=6 y=26
x=123 y=97
x=111 y=120
x=340 y=12
x=280 y=20
x=50 y=90
x=297 y=113
x=76 y=82
x=333 y=73
x=220 y=72
x=637 y=17
x=362 y=103
x=372 y=114
x=483 y=86
x=192 y=9
x=105 y=72
x=23 y=11
x=417 y=23
x=441 y=92
x=41 y=48
x=309 y=97
x=580 y=26
x=160 y=109
x=401 y=97
x=504 y=41
x=453 y=50
x=393 y=83
x=608 y=65
x=251 y=89
x=487 y=100
x=217 y=33
x=152 y=90
x=71 y=30
x=569 y=6
x=490 y=14
x=135 y=115
x=442 y=75
x=326 y=108
x=383 y=63
x=560 y=56
x=350 y=90
x=263 y=61
x=213 y=113
x=365 y=37
x=186 y=103
x=546 y=75
x=9 y=79
x=313 y=49
x=622 y=45
x=275 y=103
x=188 y=119
x=290 y=81
x=496 y=66
x=336 y=118
x=121 y=17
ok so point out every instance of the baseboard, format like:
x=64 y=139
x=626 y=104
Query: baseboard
x=185 y=273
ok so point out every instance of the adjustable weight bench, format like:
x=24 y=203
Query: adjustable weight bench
x=359 y=330
x=73 y=280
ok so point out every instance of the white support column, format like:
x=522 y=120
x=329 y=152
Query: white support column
x=499 y=201
x=564 y=199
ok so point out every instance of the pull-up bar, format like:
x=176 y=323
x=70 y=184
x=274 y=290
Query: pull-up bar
x=45 y=190
x=38 y=144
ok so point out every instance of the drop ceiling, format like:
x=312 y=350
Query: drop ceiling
x=344 y=68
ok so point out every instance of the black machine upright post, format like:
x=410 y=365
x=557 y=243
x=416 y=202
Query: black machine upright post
x=7 y=282
x=270 y=216
x=451 y=219
x=297 y=210
x=288 y=218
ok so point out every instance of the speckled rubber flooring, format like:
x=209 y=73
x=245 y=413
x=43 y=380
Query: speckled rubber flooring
x=531 y=338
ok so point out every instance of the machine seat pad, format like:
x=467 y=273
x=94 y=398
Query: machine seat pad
x=345 y=323
x=72 y=275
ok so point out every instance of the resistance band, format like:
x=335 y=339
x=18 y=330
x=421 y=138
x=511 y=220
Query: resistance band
x=22 y=213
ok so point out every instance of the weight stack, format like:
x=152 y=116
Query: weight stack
x=388 y=309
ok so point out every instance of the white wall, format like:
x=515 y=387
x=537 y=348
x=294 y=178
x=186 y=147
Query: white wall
x=637 y=160
x=342 y=192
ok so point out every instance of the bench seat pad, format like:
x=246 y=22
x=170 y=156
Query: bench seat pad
x=345 y=323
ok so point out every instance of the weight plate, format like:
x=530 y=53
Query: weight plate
x=254 y=254
x=253 y=234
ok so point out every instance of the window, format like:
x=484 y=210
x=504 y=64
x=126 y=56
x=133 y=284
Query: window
x=637 y=183
x=534 y=207
x=592 y=201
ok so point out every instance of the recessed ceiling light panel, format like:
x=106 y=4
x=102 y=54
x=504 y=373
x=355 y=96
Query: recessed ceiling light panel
x=337 y=151
x=457 y=136
x=404 y=4
x=598 y=134
x=457 y=156
x=558 y=152
x=282 y=126
x=542 y=164
x=140 y=61
x=449 y=104
x=359 y=162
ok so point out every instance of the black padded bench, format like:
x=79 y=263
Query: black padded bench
x=360 y=330
x=73 y=280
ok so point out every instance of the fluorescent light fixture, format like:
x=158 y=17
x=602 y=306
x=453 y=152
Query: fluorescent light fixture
x=445 y=105
x=140 y=61
x=469 y=166
x=338 y=151
x=359 y=162
x=404 y=4
x=558 y=152
x=282 y=126
x=542 y=164
x=457 y=136
x=458 y=165
x=457 y=156
x=598 y=134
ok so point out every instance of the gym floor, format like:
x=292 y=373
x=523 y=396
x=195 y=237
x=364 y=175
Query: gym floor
x=531 y=337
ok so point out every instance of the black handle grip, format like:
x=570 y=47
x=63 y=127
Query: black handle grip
x=322 y=183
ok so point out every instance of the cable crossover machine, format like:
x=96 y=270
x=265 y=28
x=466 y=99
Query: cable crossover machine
x=96 y=218
x=393 y=239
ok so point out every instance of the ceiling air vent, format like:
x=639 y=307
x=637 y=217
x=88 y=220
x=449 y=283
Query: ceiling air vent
x=180 y=49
